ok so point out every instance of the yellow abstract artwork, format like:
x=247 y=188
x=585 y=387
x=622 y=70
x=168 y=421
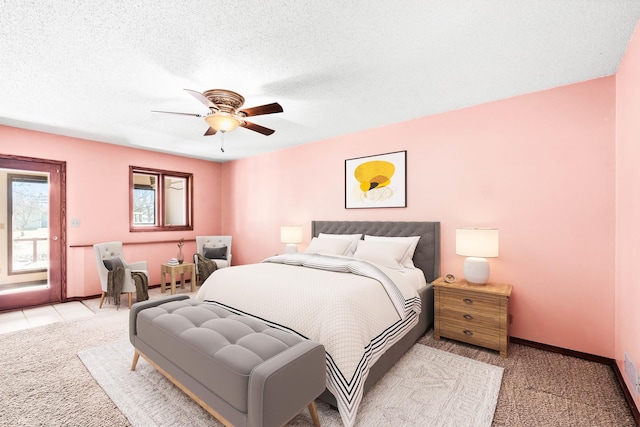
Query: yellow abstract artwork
x=376 y=181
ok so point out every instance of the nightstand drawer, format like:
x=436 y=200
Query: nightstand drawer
x=451 y=299
x=488 y=338
x=473 y=318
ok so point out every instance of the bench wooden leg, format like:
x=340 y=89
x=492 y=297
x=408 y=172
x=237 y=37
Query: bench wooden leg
x=130 y=298
x=178 y=384
x=314 y=413
x=136 y=356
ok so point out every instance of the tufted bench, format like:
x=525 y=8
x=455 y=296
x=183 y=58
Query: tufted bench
x=242 y=371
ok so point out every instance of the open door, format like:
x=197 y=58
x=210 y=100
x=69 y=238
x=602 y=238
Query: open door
x=32 y=230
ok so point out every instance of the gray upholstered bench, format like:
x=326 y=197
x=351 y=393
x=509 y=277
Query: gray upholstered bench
x=242 y=371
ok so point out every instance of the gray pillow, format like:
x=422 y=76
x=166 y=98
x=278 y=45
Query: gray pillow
x=219 y=252
x=112 y=263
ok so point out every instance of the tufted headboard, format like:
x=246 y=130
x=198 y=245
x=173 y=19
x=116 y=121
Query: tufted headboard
x=427 y=254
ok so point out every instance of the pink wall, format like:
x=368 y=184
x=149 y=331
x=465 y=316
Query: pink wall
x=98 y=195
x=540 y=167
x=627 y=337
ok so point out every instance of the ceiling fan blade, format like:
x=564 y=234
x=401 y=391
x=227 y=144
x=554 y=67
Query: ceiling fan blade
x=210 y=131
x=200 y=97
x=174 y=112
x=257 y=128
x=262 y=109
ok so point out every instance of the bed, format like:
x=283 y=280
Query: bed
x=322 y=313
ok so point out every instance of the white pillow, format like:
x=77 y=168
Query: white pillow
x=385 y=254
x=410 y=243
x=327 y=246
x=354 y=238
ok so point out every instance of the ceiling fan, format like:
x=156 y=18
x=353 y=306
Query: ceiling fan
x=225 y=115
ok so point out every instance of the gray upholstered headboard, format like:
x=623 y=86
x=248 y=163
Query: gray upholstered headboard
x=427 y=254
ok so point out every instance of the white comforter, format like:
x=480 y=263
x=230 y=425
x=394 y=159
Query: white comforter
x=352 y=315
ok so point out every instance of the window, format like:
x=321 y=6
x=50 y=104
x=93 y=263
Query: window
x=28 y=203
x=160 y=200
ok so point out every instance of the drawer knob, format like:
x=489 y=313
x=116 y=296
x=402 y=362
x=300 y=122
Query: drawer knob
x=468 y=301
x=467 y=316
x=467 y=332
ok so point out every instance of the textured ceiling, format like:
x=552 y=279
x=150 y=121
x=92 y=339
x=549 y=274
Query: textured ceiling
x=95 y=69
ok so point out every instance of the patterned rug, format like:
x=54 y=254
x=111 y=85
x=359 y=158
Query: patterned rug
x=427 y=387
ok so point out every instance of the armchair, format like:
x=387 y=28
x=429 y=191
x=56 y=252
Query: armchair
x=212 y=247
x=111 y=252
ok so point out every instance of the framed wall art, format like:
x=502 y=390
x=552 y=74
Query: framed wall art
x=378 y=181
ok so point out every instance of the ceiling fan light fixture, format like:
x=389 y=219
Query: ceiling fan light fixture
x=222 y=122
x=225 y=115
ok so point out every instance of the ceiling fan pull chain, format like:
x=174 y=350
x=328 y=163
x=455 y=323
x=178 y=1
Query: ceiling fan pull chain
x=222 y=141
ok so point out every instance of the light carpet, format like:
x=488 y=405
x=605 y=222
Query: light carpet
x=427 y=387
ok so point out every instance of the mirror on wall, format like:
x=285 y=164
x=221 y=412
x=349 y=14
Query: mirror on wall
x=160 y=200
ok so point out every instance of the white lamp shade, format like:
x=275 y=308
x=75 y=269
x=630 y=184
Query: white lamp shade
x=477 y=242
x=291 y=234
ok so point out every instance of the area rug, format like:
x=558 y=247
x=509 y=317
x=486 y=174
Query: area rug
x=427 y=387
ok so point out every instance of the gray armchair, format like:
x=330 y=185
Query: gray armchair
x=208 y=245
x=216 y=248
x=110 y=253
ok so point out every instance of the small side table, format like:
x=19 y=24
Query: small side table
x=475 y=314
x=185 y=267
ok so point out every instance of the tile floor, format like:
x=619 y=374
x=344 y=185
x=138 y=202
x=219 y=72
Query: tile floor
x=39 y=316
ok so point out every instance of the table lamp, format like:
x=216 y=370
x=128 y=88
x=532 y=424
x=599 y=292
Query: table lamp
x=477 y=244
x=291 y=236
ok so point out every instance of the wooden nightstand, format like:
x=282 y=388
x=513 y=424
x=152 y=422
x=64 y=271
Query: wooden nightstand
x=475 y=314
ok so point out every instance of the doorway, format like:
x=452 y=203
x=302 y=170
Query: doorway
x=32 y=232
